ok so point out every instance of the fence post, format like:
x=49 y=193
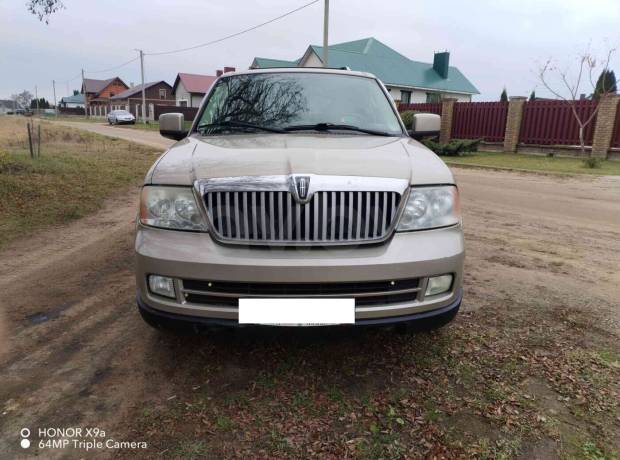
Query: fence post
x=447 y=109
x=604 y=127
x=513 y=123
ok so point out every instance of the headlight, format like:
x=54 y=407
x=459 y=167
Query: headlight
x=431 y=207
x=171 y=207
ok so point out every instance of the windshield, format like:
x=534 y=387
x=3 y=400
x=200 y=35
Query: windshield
x=281 y=101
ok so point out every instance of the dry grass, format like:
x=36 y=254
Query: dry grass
x=76 y=172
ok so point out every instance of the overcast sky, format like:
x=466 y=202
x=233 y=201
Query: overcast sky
x=495 y=43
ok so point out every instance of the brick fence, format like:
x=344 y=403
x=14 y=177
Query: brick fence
x=539 y=125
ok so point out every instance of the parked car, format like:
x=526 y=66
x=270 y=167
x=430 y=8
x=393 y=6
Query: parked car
x=299 y=192
x=118 y=117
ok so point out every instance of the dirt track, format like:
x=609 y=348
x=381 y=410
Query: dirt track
x=74 y=351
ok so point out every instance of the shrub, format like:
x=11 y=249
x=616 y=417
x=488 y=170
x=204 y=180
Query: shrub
x=592 y=162
x=454 y=148
x=407 y=117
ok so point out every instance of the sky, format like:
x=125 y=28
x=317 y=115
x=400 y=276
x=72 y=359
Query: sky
x=496 y=44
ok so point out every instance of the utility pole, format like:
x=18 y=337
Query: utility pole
x=85 y=98
x=55 y=106
x=325 y=33
x=143 y=91
x=36 y=96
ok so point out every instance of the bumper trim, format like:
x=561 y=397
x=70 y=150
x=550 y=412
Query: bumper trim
x=454 y=306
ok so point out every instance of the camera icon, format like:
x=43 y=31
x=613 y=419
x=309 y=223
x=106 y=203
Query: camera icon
x=25 y=434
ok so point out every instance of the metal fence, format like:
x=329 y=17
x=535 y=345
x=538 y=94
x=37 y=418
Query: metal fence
x=479 y=120
x=426 y=107
x=615 y=138
x=553 y=123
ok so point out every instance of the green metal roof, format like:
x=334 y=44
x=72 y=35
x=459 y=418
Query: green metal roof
x=266 y=63
x=391 y=67
x=75 y=99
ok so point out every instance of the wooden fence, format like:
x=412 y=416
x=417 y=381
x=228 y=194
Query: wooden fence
x=553 y=123
x=71 y=110
x=428 y=107
x=188 y=112
x=479 y=120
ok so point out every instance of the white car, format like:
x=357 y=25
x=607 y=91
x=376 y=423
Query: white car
x=116 y=117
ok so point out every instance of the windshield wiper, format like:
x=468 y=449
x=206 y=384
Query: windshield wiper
x=238 y=124
x=333 y=126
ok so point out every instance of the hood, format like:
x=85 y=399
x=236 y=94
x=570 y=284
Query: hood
x=281 y=154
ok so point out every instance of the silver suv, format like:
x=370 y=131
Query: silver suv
x=299 y=193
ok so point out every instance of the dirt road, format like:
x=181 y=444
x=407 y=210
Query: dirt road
x=542 y=278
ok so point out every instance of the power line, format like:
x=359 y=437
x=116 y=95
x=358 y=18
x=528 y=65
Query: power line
x=236 y=34
x=113 y=68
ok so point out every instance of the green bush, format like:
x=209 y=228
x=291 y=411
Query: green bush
x=407 y=117
x=592 y=162
x=454 y=148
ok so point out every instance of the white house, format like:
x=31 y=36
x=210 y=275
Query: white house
x=407 y=81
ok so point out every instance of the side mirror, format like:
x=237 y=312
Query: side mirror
x=425 y=124
x=172 y=126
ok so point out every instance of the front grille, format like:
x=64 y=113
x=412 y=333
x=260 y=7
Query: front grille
x=275 y=216
x=365 y=293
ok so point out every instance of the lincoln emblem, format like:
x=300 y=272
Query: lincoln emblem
x=303 y=184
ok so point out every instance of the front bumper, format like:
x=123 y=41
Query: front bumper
x=195 y=256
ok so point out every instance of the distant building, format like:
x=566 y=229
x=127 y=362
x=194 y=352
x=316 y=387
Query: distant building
x=407 y=81
x=99 y=92
x=72 y=102
x=156 y=93
x=190 y=88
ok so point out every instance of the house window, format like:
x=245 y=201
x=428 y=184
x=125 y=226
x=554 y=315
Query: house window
x=162 y=93
x=433 y=97
x=111 y=94
x=182 y=103
x=405 y=97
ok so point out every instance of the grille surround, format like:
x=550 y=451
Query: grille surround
x=366 y=293
x=267 y=210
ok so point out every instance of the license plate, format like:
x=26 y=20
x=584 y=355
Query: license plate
x=297 y=312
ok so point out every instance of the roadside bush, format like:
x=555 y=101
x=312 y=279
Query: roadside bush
x=454 y=148
x=592 y=162
x=407 y=117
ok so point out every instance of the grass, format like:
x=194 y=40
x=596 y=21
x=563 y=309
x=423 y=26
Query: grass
x=535 y=163
x=76 y=172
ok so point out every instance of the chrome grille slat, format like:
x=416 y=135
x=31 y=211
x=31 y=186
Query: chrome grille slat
x=328 y=217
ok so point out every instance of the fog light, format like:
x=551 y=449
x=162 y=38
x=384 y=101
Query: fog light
x=439 y=284
x=161 y=285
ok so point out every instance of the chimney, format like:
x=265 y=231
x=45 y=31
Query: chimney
x=441 y=63
x=229 y=69
x=218 y=73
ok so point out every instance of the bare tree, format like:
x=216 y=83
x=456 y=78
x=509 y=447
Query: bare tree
x=43 y=9
x=23 y=99
x=587 y=64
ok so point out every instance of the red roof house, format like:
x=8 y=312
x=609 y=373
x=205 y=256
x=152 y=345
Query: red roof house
x=189 y=88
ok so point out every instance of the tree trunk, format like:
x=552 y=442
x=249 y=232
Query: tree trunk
x=582 y=141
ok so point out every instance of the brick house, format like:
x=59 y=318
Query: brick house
x=99 y=92
x=157 y=93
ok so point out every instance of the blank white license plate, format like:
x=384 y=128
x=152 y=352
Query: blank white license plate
x=296 y=312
